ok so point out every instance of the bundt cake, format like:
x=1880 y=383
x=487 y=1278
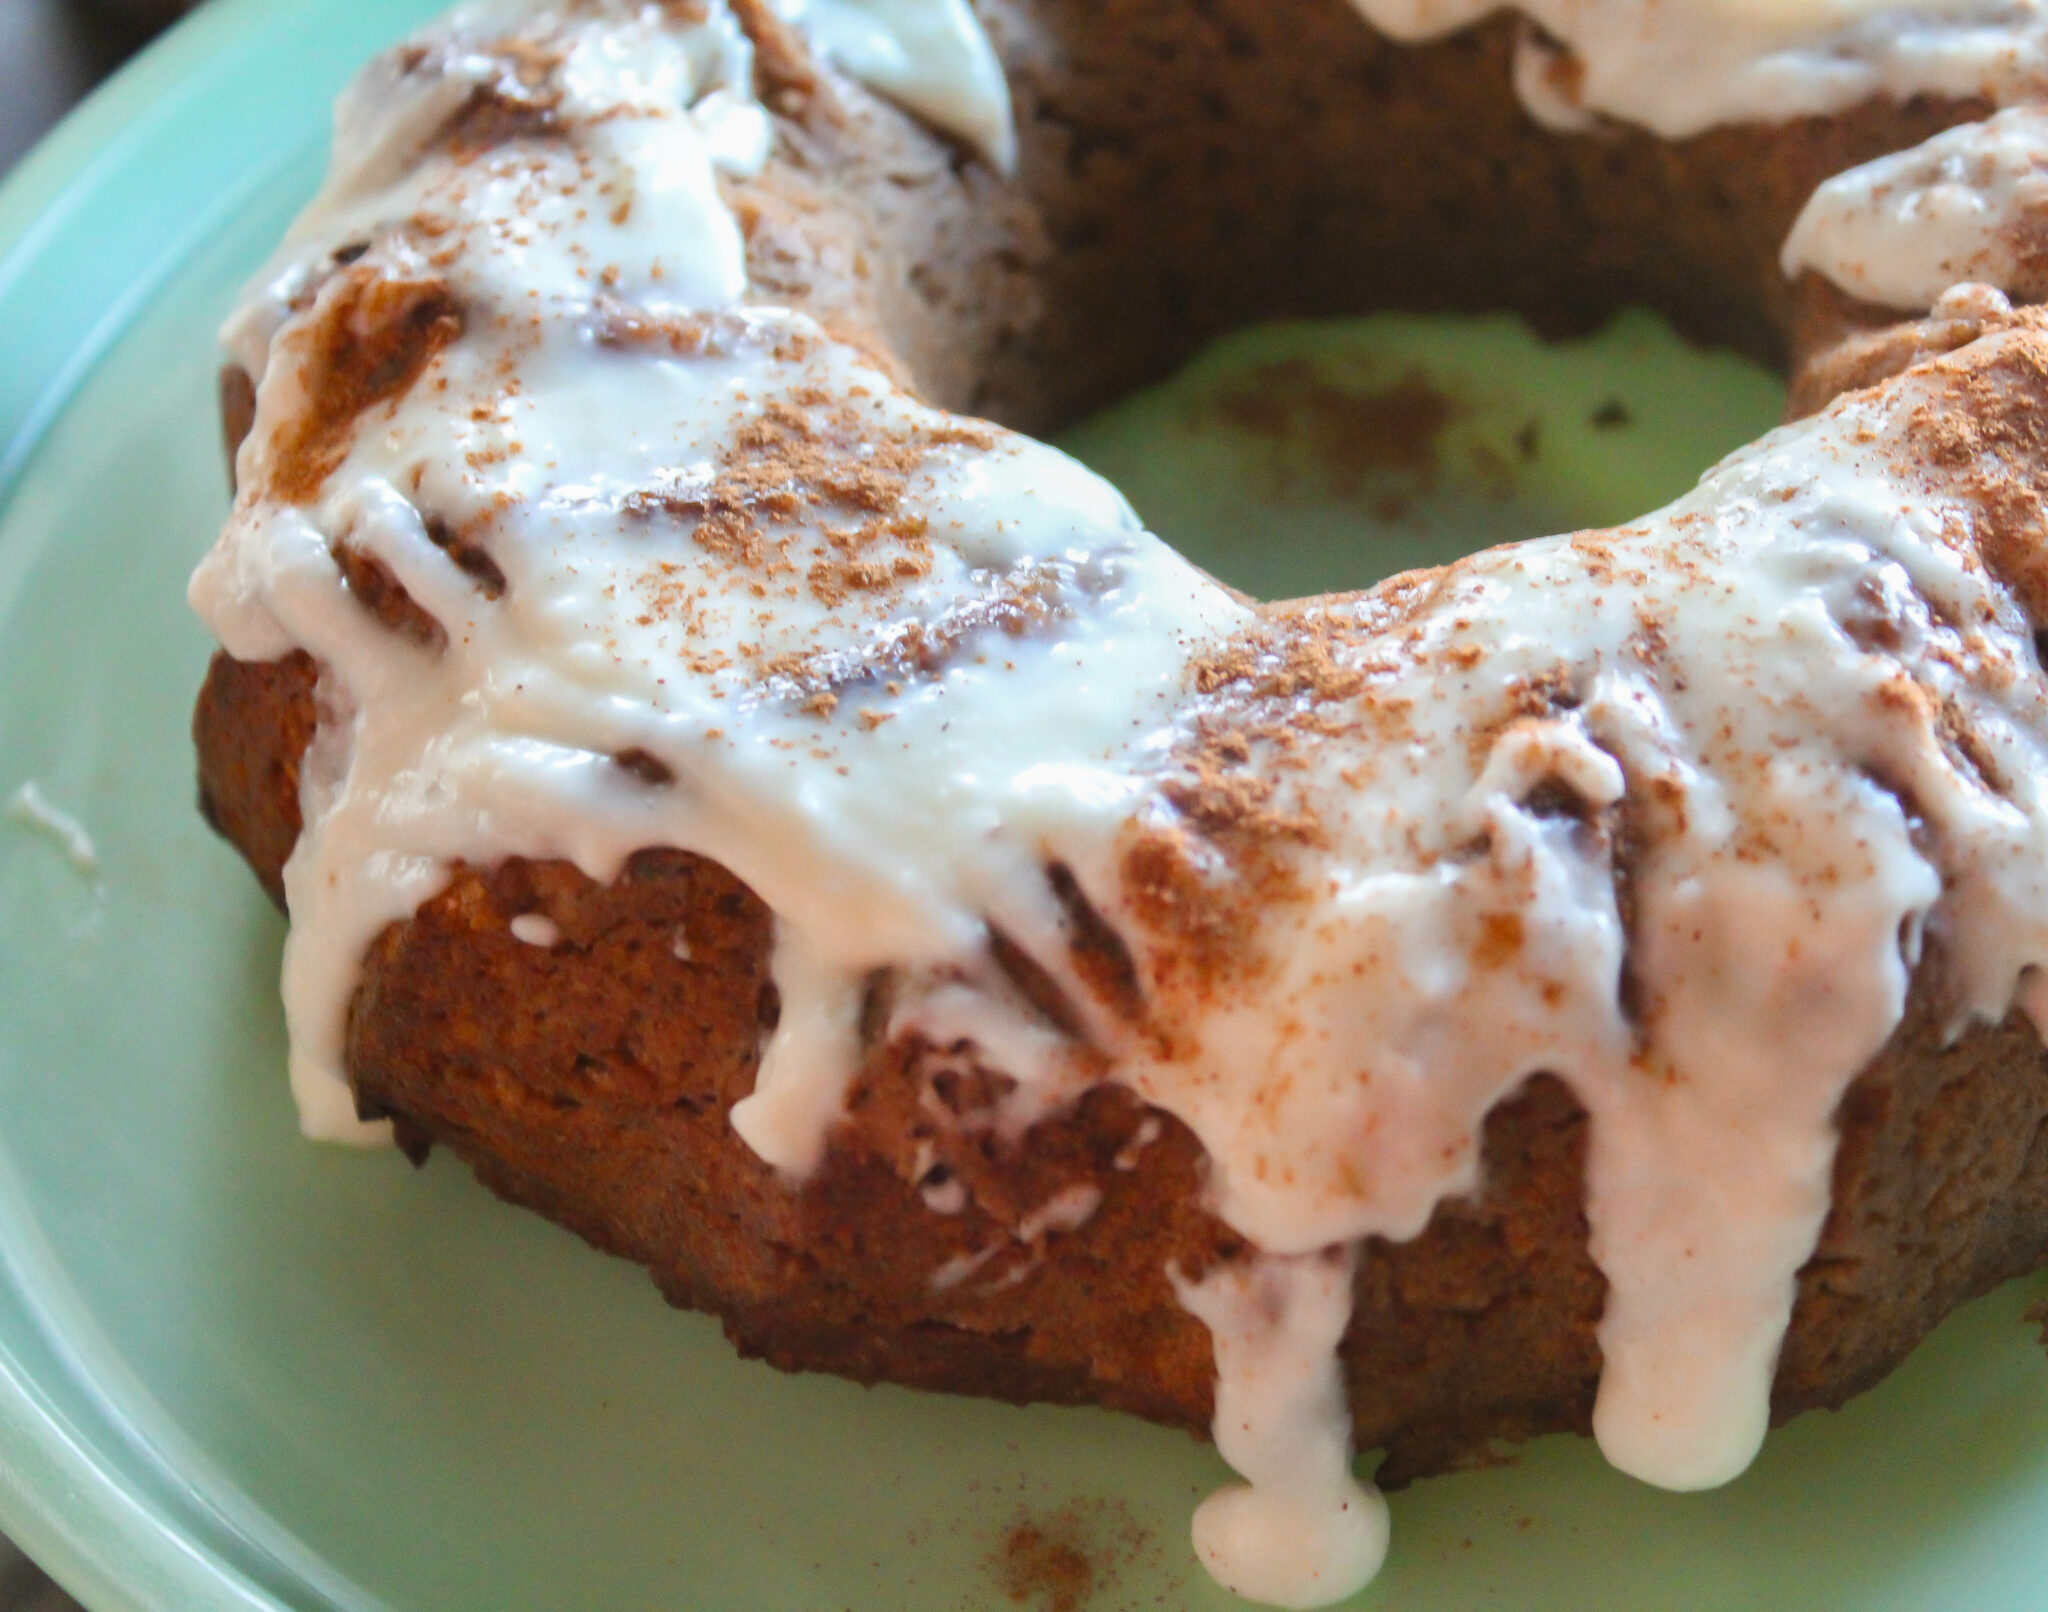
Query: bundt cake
x=812 y=841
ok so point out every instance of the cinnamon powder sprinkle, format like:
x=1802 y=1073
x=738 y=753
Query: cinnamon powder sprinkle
x=377 y=334
x=1079 y=1557
x=1014 y=604
x=1347 y=434
x=1242 y=790
x=809 y=454
x=1203 y=919
x=628 y=328
x=1044 y=1569
x=523 y=102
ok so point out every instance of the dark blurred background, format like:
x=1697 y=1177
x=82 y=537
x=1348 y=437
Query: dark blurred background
x=52 y=52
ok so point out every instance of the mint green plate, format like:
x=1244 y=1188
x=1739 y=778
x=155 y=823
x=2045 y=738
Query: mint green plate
x=240 y=1371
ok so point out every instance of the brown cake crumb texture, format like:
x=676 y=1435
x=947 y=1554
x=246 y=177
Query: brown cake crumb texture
x=1185 y=169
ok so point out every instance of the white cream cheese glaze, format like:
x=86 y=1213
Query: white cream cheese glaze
x=1679 y=67
x=891 y=708
x=29 y=806
x=1302 y=1532
x=1965 y=206
x=932 y=56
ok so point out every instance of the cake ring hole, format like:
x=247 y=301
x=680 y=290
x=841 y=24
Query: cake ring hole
x=1322 y=456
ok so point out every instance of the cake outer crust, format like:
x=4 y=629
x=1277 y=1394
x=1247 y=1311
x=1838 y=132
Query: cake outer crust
x=593 y=1080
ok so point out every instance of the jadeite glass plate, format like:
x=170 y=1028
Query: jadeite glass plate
x=240 y=1371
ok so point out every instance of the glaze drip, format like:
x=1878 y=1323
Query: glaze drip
x=1302 y=1532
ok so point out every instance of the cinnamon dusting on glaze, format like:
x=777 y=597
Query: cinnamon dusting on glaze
x=374 y=337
